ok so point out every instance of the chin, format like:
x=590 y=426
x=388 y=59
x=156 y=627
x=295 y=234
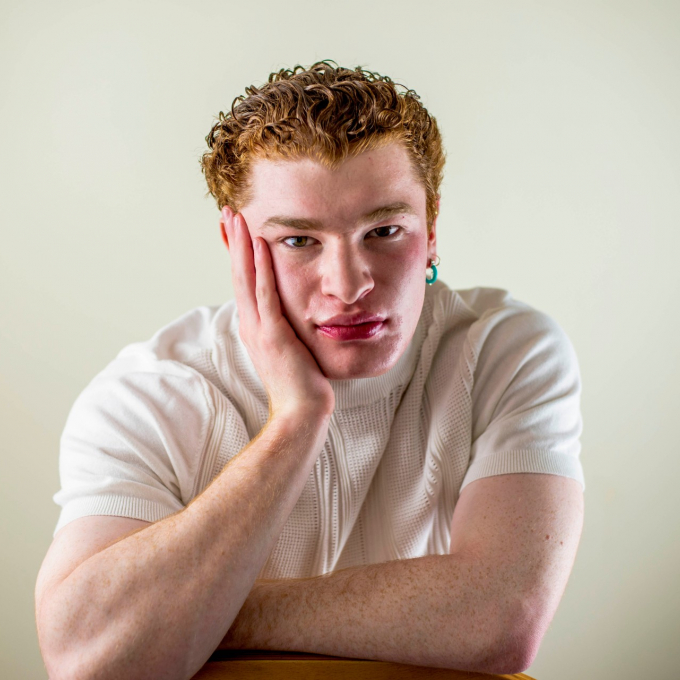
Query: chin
x=350 y=361
x=337 y=370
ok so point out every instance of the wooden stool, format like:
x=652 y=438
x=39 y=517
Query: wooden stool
x=261 y=665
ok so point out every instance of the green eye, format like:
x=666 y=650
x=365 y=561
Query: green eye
x=296 y=238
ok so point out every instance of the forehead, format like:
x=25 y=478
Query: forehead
x=374 y=177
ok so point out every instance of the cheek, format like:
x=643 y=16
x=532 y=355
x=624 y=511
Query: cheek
x=293 y=287
x=415 y=258
x=410 y=267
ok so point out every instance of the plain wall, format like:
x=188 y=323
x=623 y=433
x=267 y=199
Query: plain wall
x=560 y=121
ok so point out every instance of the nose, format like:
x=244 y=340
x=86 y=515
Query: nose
x=345 y=275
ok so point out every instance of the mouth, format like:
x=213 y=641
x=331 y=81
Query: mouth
x=359 y=331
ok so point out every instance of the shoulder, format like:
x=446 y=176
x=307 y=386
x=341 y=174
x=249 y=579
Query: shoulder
x=490 y=318
x=180 y=339
x=503 y=324
x=504 y=345
x=160 y=377
x=182 y=351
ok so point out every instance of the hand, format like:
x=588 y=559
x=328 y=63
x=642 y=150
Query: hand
x=290 y=373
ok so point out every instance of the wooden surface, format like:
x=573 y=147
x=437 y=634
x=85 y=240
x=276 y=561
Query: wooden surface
x=258 y=665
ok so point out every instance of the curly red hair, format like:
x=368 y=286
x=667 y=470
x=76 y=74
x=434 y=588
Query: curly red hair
x=325 y=112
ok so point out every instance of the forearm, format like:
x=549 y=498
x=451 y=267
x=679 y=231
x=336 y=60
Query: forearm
x=437 y=611
x=158 y=602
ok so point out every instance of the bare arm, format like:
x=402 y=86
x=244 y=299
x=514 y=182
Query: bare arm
x=485 y=607
x=158 y=602
x=440 y=611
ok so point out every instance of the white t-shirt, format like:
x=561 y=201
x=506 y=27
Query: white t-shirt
x=487 y=386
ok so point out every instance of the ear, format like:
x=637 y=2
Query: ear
x=223 y=229
x=432 y=236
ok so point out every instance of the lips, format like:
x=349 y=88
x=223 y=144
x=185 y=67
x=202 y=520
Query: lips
x=361 y=331
x=351 y=319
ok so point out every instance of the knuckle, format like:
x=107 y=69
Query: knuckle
x=262 y=294
x=269 y=345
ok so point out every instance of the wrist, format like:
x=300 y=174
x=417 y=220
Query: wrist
x=308 y=414
x=299 y=423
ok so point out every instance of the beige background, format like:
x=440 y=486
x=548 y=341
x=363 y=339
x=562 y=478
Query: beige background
x=561 y=124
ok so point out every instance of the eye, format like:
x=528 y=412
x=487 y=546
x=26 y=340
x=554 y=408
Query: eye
x=296 y=238
x=377 y=229
x=299 y=242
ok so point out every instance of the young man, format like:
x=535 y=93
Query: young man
x=349 y=458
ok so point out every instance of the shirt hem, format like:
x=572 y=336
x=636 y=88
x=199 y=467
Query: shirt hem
x=116 y=506
x=524 y=460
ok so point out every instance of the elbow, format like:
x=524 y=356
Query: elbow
x=49 y=643
x=76 y=664
x=68 y=670
x=514 y=657
x=518 y=649
x=52 y=638
x=108 y=655
x=503 y=656
x=55 y=664
x=60 y=664
x=57 y=671
x=518 y=643
x=64 y=657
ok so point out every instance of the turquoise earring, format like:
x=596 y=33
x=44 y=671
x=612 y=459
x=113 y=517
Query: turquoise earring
x=431 y=272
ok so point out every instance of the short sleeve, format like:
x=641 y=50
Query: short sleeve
x=525 y=397
x=133 y=442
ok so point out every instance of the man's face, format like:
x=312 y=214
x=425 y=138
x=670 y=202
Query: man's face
x=348 y=265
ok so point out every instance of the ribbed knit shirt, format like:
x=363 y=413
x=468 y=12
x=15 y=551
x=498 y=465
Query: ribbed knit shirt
x=487 y=386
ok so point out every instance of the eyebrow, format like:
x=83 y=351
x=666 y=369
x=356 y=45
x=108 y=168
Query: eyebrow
x=302 y=223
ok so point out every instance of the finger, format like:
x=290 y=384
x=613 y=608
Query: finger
x=243 y=271
x=268 y=301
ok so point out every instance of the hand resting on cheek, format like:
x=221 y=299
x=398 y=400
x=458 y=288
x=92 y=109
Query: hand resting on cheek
x=291 y=375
